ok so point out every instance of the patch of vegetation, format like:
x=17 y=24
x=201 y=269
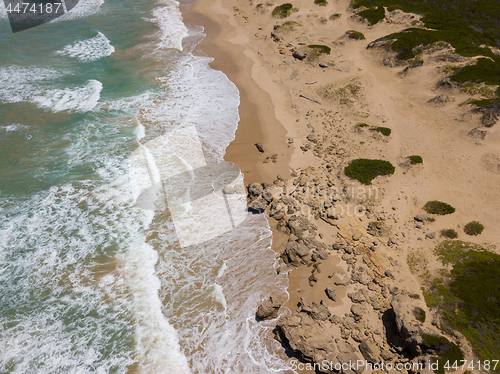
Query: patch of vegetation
x=416 y=160
x=344 y=94
x=356 y=35
x=365 y=170
x=444 y=350
x=478 y=89
x=321 y=2
x=362 y=125
x=335 y=16
x=373 y=15
x=415 y=296
x=449 y=233
x=485 y=102
x=419 y=314
x=438 y=207
x=283 y=10
x=468 y=295
x=321 y=48
x=474 y=228
x=383 y=130
x=466 y=25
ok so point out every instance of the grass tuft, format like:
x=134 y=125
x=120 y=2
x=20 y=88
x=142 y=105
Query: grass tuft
x=383 y=130
x=321 y=2
x=321 y=48
x=449 y=233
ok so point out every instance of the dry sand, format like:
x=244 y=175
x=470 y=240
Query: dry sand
x=277 y=93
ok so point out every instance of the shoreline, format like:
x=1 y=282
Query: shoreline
x=257 y=123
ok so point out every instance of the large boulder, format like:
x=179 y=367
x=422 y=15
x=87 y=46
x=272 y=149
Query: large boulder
x=307 y=334
x=268 y=309
x=370 y=351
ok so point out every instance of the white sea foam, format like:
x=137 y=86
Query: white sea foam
x=211 y=288
x=82 y=308
x=89 y=49
x=169 y=19
x=20 y=84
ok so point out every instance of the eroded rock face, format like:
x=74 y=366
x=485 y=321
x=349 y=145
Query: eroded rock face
x=309 y=337
x=407 y=326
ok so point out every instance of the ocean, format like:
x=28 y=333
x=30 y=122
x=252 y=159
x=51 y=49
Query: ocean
x=125 y=246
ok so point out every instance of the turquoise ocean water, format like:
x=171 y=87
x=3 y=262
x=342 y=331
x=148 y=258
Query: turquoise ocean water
x=90 y=282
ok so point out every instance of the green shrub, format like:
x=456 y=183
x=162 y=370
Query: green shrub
x=321 y=48
x=419 y=314
x=415 y=296
x=444 y=350
x=416 y=159
x=365 y=170
x=353 y=34
x=383 y=130
x=335 y=16
x=320 y=2
x=283 y=10
x=362 y=125
x=473 y=228
x=438 y=207
x=449 y=233
x=373 y=15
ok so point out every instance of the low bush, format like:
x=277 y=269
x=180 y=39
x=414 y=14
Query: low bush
x=283 y=10
x=419 y=314
x=438 y=207
x=383 y=130
x=321 y=48
x=449 y=233
x=320 y=2
x=473 y=228
x=365 y=170
x=416 y=159
x=373 y=15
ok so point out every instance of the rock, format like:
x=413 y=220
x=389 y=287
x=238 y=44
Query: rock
x=268 y=309
x=298 y=226
x=357 y=297
x=431 y=235
x=258 y=206
x=394 y=291
x=319 y=253
x=299 y=55
x=290 y=256
x=358 y=311
x=302 y=250
x=254 y=191
x=259 y=147
x=343 y=282
x=348 y=250
x=388 y=273
x=356 y=237
x=308 y=338
x=349 y=360
x=370 y=351
x=407 y=326
x=422 y=217
x=312 y=138
x=330 y=292
x=268 y=196
x=278 y=215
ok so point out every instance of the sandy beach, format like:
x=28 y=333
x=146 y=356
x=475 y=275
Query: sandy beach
x=305 y=107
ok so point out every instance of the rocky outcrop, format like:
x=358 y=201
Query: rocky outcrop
x=407 y=327
x=307 y=332
x=268 y=309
